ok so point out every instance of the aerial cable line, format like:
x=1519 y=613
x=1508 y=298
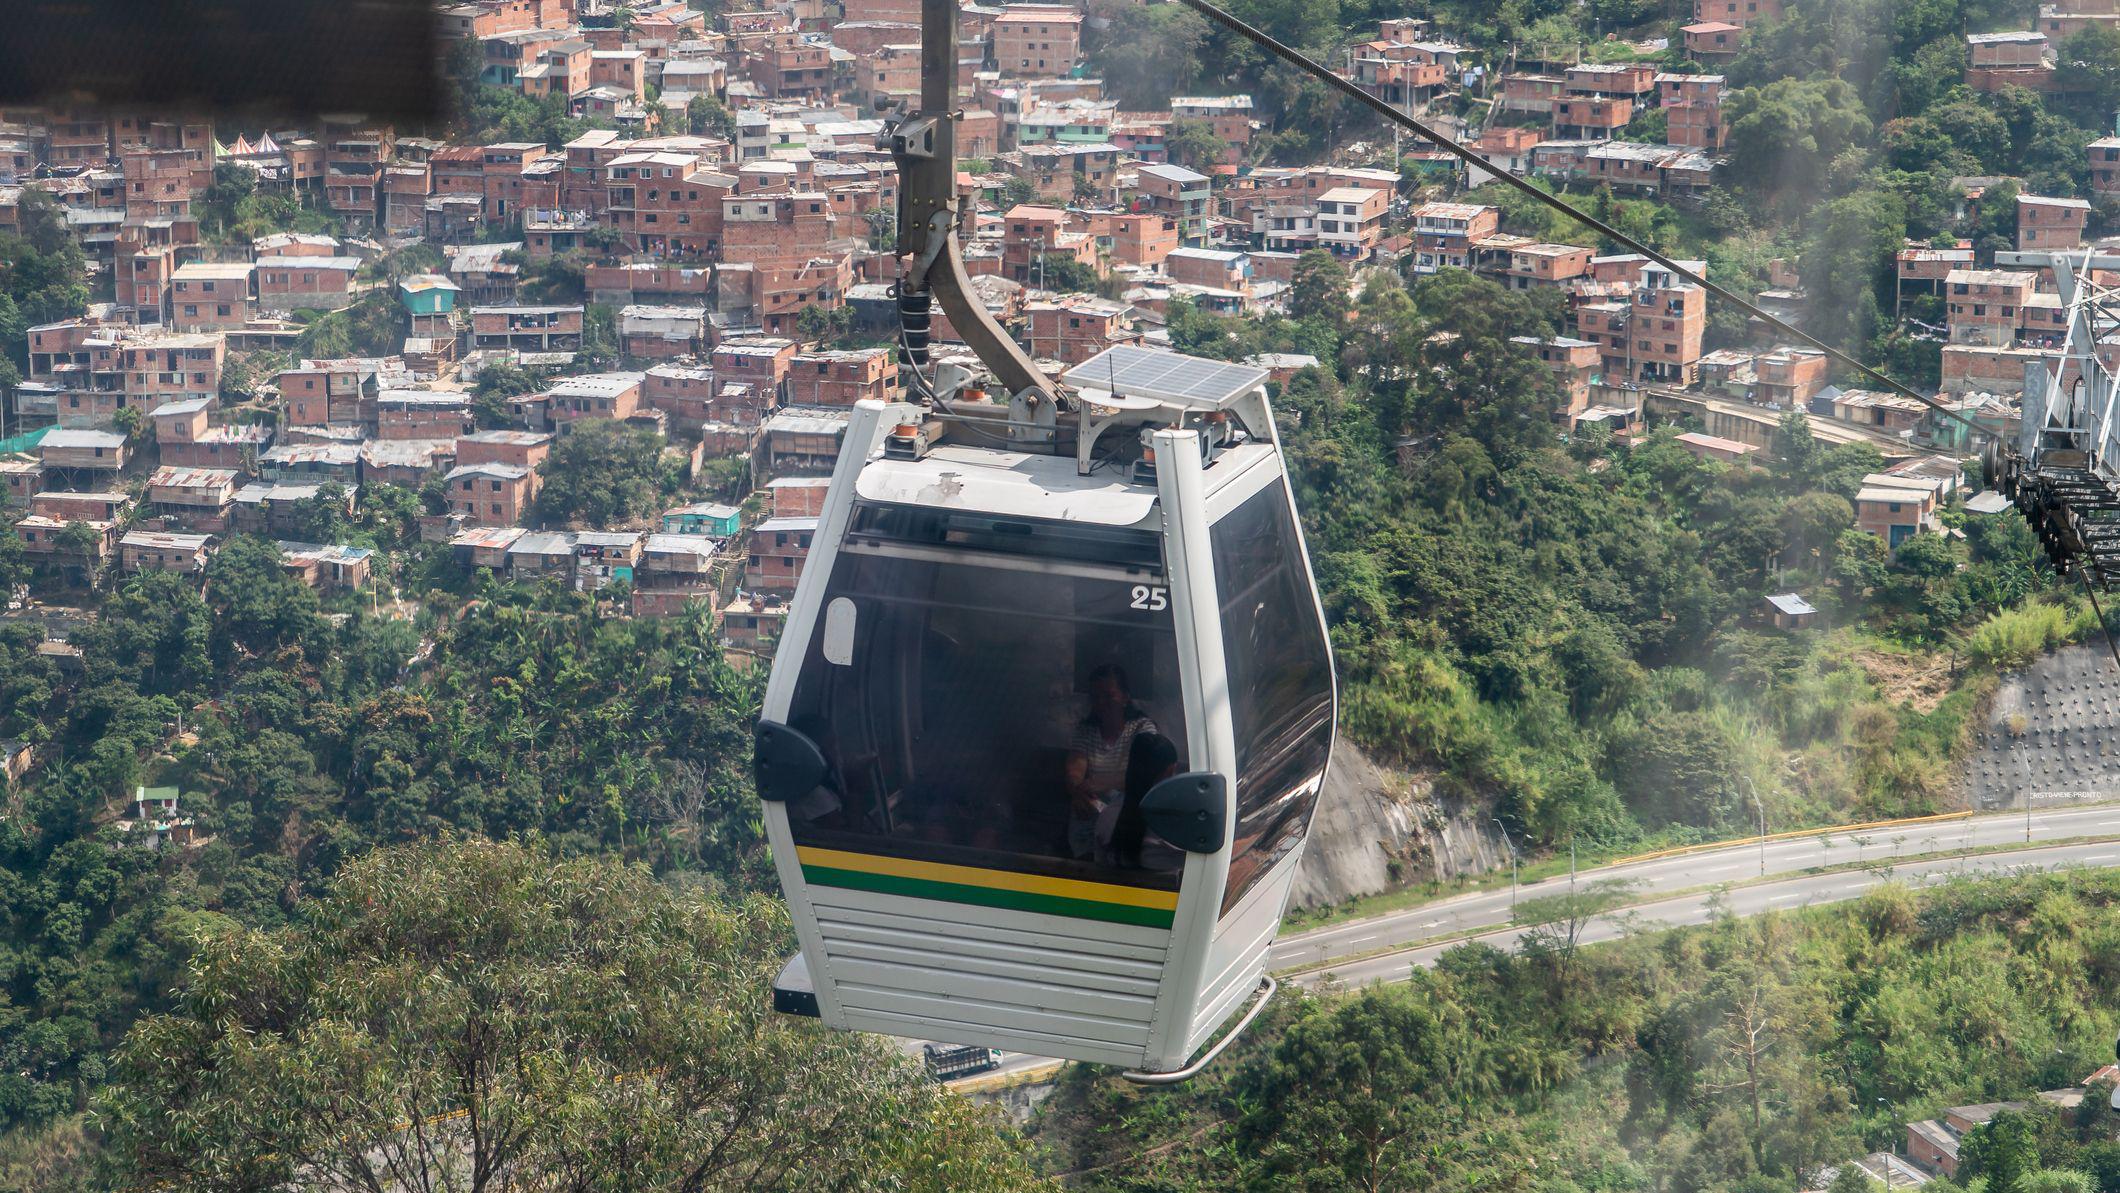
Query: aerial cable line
x=1311 y=67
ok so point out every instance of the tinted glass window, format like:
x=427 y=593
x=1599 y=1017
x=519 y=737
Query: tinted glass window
x=955 y=694
x=1280 y=682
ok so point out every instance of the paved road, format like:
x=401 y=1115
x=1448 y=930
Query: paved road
x=1735 y=863
x=1784 y=894
x=1489 y=912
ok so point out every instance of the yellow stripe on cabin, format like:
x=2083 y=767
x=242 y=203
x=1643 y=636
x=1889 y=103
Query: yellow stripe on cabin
x=1035 y=884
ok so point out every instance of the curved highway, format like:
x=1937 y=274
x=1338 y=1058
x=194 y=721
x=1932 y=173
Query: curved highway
x=1786 y=894
x=1739 y=862
x=1384 y=948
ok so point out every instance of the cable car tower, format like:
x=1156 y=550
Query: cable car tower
x=1054 y=702
x=2065 y=473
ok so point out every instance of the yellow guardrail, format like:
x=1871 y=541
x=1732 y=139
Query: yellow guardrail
x=988 y=1083
x=1791 y=835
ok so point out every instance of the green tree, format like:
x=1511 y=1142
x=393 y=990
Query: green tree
x=1851 y=1179
x=1319 y=288
x=602 y=473
x=1328 y=1105
x=707 y=116
x=1148 y=53
x=471 y=1015
x=1784 y=135
x=1845 y=261
x=2004 y=1150
x=374 y=325
x=1194 y=143
x=2057 y=1180
x=2087 y=69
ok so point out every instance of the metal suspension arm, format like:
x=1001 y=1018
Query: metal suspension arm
x=924 y=145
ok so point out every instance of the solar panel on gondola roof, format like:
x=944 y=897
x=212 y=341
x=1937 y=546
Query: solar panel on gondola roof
x=1167 y=376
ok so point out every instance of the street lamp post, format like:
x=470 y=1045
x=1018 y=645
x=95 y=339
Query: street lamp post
x=1762 y=807
x=1512 y=863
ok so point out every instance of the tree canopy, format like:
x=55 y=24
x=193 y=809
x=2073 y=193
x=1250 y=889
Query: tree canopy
x=473 y=1015
x=604 y=472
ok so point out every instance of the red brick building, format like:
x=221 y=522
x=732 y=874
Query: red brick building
x=1037 y=40
x=491 y=494
x=2048 y=224
x=779 y=548
x=1444 y=233
x=843 y=378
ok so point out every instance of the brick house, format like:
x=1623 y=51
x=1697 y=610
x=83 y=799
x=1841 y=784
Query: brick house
x=1351 y=221
x=158 y=551
x=1077 y=327
x=1590 y=117
x=1178 y=193
x=1788 y=377
x=523 y=449
x=1444 y=233
x=685 y=393
x=1985 y=305
x=237 y=447
x=490 y=494
x=761 y=362
x=1037 y=40
x=2105 y=166
x=527 y=328
x=23 y=477
x=295 y=283
x=1575 y=365
x=198 y=499
x=843 y=378
x=206 y=296
x=596 y=395
x=2048 y=225
x=73 y=449
x=421 y=414
x=662 y=332
x=779 y=547
x=1142 y=238
x=1895 y=508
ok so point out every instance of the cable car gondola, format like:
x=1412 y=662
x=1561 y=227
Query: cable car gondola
x=981 y=625
x=1054 y=701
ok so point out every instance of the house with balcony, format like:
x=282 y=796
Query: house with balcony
x=1351 y=221
x=1178 y=193
x=1444 y=233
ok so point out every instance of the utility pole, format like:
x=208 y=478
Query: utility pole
x=1512 y=863
x=1762 y=806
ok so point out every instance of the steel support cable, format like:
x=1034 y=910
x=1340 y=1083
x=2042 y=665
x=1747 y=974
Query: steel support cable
x=1346 y=87
x=2090 y=590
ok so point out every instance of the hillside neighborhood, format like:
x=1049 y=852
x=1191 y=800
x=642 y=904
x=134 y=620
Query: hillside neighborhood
x=708 y=262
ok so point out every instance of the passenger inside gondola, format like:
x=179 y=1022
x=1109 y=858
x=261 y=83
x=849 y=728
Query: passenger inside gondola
x=972 y=707
x=1123 y=836
x=1097 y=757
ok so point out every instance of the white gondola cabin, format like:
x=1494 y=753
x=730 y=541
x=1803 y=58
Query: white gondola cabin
x=1045 y=731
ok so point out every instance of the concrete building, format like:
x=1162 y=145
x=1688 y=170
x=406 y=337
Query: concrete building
x=1037 y=40
x=490 y=494
x=1444 y=234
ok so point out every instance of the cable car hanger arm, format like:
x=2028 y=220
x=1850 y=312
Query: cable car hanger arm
x=924 y=146
x=1309 y=66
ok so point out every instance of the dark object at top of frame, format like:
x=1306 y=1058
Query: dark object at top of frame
x=280 y=58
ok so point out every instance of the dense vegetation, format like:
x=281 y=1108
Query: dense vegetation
x=1574 y=632
x=603 y=473
x=305 y=741
x=1568 y=631
x=41 y=271
x=578 y=1027
x=1736 y=1058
